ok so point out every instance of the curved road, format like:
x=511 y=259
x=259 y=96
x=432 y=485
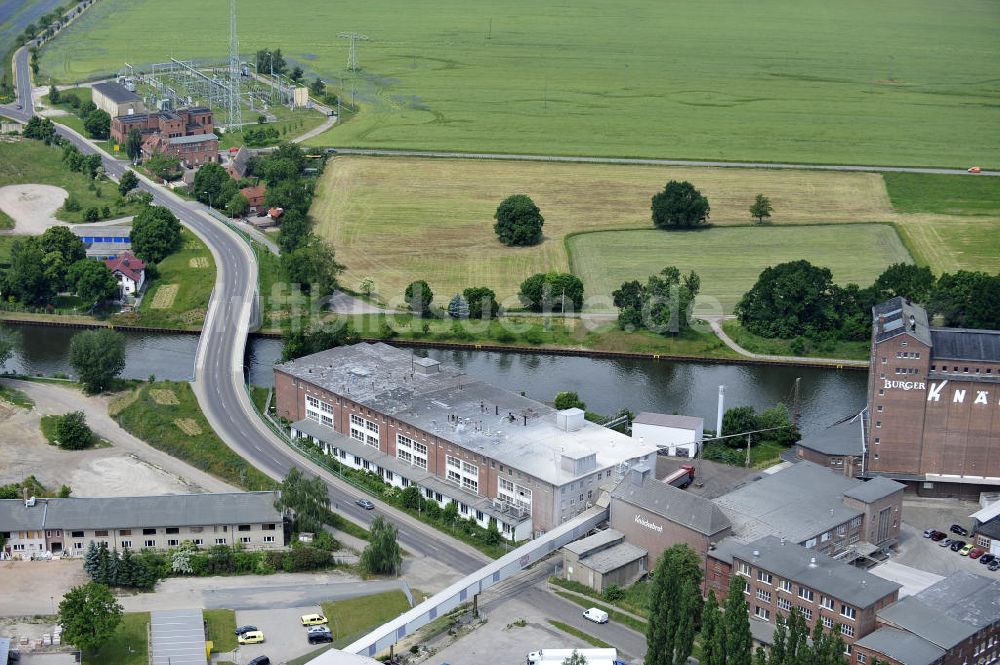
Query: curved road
x=219 y=362
x=635 y=161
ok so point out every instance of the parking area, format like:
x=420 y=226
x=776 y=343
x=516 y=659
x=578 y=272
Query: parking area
x=927 y=555
x=284 y=634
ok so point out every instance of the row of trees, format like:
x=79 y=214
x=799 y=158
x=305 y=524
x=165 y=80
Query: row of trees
x=676 y=604
x=542 y=292
x=54 y=262
x=96 y=122
x=125 y=569
x=663 y=304
x=800 y=299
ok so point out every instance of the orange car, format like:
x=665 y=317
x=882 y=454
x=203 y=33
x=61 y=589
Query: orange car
x=974 y=169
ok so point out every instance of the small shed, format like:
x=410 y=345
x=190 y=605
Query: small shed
x=604 y=559
x=678 y=435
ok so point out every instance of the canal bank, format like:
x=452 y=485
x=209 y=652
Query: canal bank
x=605 y=383
x=746 y=359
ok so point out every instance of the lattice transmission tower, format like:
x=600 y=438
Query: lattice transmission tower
x=352 y=56
x=233 y=98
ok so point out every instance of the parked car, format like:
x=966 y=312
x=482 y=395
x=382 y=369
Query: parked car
x=366 y=504
x=946 y=542
x=260 y=660
x=965 y=551
x=595 y=615
x=939 y=535
x=312 y=619
x=994 y=565
x=976 y=552
x=251 y=637
x=956 y=545
x=987 y=559
x=318 y=629
x=320 y=638
x=245 y=629
x=929 y=532
x=962 y=531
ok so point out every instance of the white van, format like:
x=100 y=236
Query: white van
x=595 y=615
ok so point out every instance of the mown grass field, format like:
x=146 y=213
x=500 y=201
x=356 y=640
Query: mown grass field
x=944 y=194
x=128 y=646
x=729 y=260
x=351 y=618
x=894 y=82
x=29 y=161
x=166 y=415
x=190 y=275
x=405 y=219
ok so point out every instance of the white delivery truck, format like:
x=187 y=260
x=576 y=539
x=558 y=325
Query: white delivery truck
x=557 y=656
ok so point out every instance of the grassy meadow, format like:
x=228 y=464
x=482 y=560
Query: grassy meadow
x=405 y=219
x=29 y=161
x=730 y=259
x=895 y=82
x=186 y=280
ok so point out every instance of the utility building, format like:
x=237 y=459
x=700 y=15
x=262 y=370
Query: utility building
x=115 y=99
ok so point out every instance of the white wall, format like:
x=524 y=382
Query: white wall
x=667 y=437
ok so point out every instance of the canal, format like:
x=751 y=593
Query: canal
x=605 y=384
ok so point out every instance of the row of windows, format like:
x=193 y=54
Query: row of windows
x=171 y=542
x=805 y=593
x=965 y=370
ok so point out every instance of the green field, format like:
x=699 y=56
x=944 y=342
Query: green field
x=352 y=618
x=894 y=82
x=189 y=275
x=944 y=194
x=730 y=259
x=128 y=646
x=221 y=629
x=28 y=161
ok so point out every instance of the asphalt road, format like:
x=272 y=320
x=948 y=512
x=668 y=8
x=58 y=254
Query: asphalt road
x=655 y=162
x=219 y=370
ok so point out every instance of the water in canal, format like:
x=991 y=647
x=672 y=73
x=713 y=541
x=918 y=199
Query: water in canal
x=605 y=384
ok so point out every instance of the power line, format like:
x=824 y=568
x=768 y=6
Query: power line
x=352 y=56
x=233 y=98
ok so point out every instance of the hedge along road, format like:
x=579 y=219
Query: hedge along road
x=636 y=161
x=219 y=383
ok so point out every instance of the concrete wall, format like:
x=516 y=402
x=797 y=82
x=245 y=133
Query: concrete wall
x=666 y=437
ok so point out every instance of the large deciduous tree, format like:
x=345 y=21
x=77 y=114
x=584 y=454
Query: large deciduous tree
x=674 y=602
x=761 y=208
x=89 y=615
x=305 y=500
x=552 y=292
x=92 y=281
x=73 y=432
x=906 y=280
x=382 y=555
x=97 y=357
x=518 y=221
x=679 y=205
x=313 y=266
x=98 y=124
x=208 y=183
x=418 y=296
x=789 y=299
x=128 y=182
x=713 y=633
x=482 y=302
x=156 y=234
x=968 y=300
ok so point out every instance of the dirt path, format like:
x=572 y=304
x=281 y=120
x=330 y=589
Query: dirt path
x=716 y=323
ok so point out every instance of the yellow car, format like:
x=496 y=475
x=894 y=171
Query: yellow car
x=313 y=619
x=251 y=637
x=965 y=550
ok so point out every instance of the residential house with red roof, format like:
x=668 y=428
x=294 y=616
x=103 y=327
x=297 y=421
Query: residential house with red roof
x=129 y=271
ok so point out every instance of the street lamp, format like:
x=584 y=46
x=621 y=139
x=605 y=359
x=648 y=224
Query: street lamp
x=209 y=194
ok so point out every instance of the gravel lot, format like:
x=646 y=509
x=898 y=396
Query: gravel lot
x=32 y=207
x=34 y=587
x=129 y=467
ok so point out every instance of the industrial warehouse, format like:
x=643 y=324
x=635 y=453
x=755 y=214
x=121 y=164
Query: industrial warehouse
x=413 y=420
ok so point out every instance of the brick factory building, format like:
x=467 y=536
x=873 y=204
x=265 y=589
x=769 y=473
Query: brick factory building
x=502 y=457
x=933 y=418
x=187 y=133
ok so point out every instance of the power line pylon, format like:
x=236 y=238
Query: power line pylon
x=352 y=56
x=235 y=110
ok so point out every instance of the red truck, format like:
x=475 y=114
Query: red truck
x=682 y=477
